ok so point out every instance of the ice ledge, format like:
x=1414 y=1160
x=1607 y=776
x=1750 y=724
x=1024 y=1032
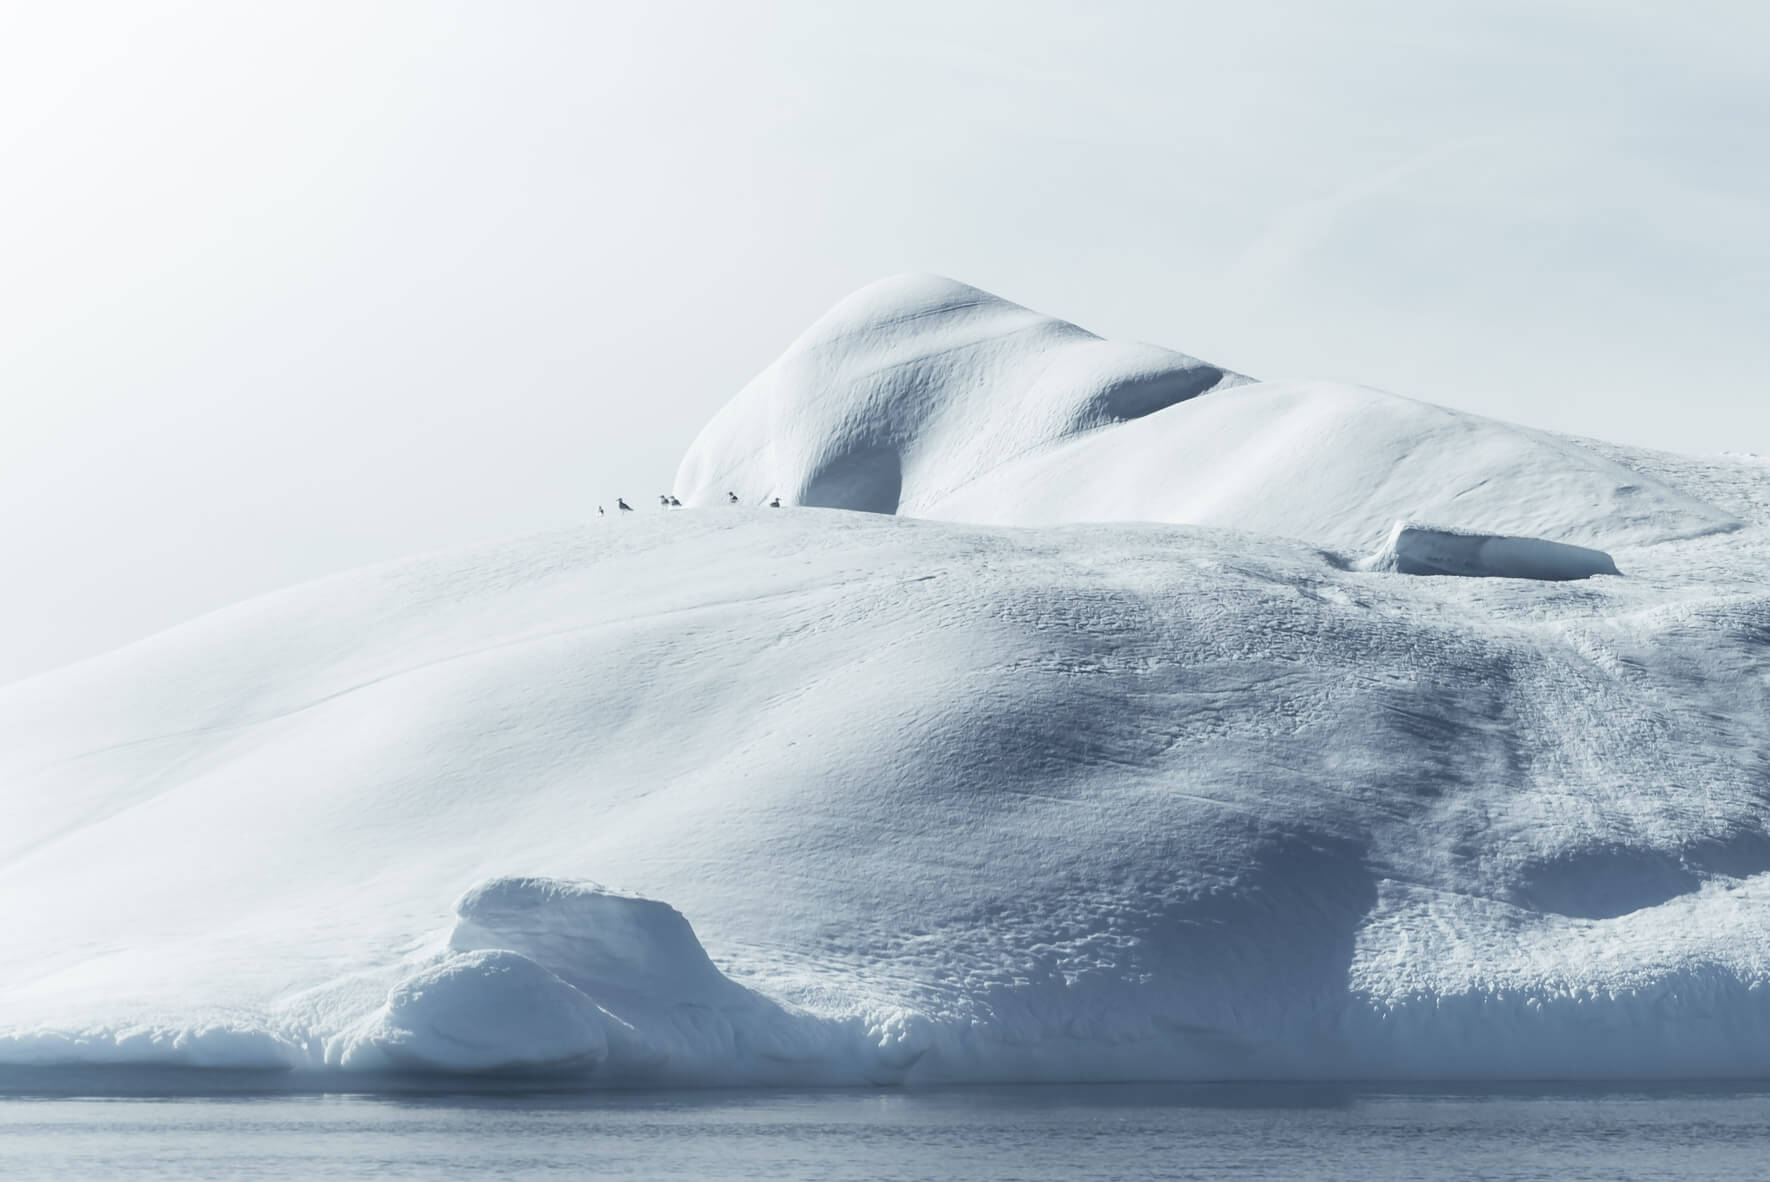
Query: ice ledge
x=1413 y=549
x=563 y=976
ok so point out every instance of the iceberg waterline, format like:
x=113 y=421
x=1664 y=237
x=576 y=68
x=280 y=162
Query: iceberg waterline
x=1135 y=775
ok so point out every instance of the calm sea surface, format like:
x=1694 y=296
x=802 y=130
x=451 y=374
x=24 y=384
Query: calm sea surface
x=1117 y=1132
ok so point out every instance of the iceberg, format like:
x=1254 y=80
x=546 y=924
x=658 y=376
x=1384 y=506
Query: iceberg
x=1074 y=720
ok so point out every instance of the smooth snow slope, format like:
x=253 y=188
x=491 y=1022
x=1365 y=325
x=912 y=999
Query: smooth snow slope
x=881 y=799
x=922 y=396
x=915 y=386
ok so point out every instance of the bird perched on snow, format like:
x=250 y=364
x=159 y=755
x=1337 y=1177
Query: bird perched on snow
x=663 y=501
x=675 y=504
x=599 y=512
x=775 y=504
x=620 y=504
x=731 y=498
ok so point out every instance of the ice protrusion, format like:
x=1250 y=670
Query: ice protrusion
x=553 y=975
x=916 y=385
x=1413 y=549
x=492 y=1010
x=603 y=942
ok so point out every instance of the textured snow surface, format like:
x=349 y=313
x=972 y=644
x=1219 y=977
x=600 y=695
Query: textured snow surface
x=890 y=799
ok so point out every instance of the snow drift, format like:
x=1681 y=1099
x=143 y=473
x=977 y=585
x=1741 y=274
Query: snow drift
x=896 y=800
x=914 y=386
x=929 y=398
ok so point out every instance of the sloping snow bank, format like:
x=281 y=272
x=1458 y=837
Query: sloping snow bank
x=924 y=397
x=1334 y=465
x=1423 y=550
x=915 y=385
x=943 y=803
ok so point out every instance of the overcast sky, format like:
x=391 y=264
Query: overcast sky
x=290 y=287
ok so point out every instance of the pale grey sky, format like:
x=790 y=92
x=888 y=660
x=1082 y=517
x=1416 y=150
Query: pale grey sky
x=290 y=287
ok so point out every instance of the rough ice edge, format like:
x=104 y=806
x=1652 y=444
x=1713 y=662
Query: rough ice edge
x=606 y=989
x=569 y=977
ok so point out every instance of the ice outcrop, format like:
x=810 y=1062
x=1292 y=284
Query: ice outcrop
x=1422 y=550
x=925 y=397
x=532 y=970
x=569 y=978
x=604 y=942
x=492 y=1010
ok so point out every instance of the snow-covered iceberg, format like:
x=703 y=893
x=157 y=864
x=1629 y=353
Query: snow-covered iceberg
x=1098 y=756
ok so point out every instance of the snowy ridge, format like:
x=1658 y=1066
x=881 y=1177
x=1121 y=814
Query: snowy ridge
x=916 y=385
x=925 y=397
x=897 y=800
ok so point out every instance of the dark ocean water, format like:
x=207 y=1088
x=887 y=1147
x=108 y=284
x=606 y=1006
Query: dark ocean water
x=171 y=1130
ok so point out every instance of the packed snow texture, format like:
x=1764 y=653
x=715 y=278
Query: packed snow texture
x=994 y=797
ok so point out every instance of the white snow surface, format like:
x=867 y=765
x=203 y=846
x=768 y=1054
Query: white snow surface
x=1127 y=767
x=922 y=396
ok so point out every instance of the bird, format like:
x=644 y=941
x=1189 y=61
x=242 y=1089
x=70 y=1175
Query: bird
x=663 y=501
x=775 y=504
x=599 y=512
x=623 y=505
x=675 y=504
x=731 y=498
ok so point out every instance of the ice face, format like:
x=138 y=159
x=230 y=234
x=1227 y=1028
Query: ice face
x=1422 y=550
x=493 y=1010
x=599 y=940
